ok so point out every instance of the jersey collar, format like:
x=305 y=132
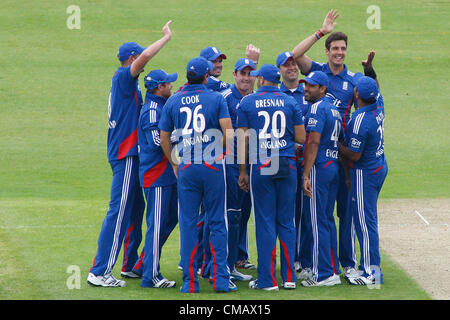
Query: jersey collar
x=369 y=107
x=299 y=89
x=268 y=89
x=327 y=70
x=152 y=97
x=192 y=87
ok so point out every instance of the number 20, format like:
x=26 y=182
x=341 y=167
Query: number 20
x=275 y=132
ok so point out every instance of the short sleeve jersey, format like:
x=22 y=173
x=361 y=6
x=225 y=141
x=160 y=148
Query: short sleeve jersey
x=365 y=134
x=125 y=103
x=154 y=168
x=195 y=113
x=325 y=119
x=272 y=115
x=341 y=87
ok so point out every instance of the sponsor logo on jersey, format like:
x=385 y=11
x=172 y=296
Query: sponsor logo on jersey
x=355 y=143
x=312 y=122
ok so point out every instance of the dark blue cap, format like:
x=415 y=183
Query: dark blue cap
x=129 y=49
x=269 y=72
x=243 y=63
x=200 y=66
x=283 y=57
x=156 y=77
x=367 y=88
x=316 y=77
x=212 y=53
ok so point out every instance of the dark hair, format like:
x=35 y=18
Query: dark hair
x=335 y=36
x=369 y=101
x=152 y=91
x=193 y=78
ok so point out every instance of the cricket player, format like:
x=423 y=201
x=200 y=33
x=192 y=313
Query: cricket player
x=364 y=147
x=291 y=86
x=157 y=178
x=320 y=174
x=201 y=119
x=273 y=122
x=341 y=85
x=213 y=55
x=243 y=86
x=127 y=203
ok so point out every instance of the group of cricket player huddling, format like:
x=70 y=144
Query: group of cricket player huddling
x=289 y=150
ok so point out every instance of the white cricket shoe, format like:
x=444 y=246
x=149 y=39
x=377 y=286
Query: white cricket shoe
x=130 y=275
x=330 y=281
x=236 y=275
x=361 y=280
x=350 y=272
x=254 y=285
x=107 y=280
x=289 y=285
x=305 y=274
x=165 y=283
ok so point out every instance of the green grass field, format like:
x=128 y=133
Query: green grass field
x=54 y=85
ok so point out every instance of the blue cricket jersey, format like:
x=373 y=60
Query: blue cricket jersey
x=273 y=115
x=299 y=95
x=194 y=113
x=154 y=168
x=365 y=134
x=325 y=119
x=216 y=84
x=125 y=102
x=341 y=87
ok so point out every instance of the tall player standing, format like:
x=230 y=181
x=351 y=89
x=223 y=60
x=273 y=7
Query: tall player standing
x=127 y=202
x=272 y=121
x=201 y=120
x=341 y=85
x=243 y=86
x=364 y=147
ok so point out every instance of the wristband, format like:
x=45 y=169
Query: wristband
x=319 y=34
x=369 y=72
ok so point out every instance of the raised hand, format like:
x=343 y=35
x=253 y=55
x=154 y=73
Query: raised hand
x=368 y=63
x=166 y=29
x=329 y=21
x=252 y=52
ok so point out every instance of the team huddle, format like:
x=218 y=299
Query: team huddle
x=204 y=157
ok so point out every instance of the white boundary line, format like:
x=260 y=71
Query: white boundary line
x=421 y=217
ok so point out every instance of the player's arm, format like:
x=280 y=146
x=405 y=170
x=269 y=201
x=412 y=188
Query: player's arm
x=167 y=147
x=344 y=163
x=253 y=53
x=368 y=67
x=303 y=61
x=151 y=51
x=299 y=134
x=309 y=156
x=349 y=154
x=242 y=158
x=227 y=131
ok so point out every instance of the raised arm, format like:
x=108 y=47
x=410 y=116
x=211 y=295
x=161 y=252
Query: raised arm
x=368 y=67
x=138 y=65
x=303 y=61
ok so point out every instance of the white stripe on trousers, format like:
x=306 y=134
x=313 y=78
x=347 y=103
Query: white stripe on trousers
x=313 y=210
x=362 y=219
x=156 y=230
x=123 y=203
